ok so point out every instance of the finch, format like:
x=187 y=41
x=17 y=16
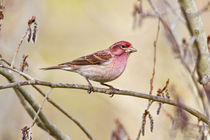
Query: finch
x=102 y=66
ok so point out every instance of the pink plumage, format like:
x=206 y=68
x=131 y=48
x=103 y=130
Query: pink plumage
x=102 y=66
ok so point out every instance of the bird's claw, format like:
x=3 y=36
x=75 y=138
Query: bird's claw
x=90 y=89
x=112 y=90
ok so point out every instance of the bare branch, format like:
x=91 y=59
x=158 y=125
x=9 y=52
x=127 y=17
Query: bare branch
x=142 y=128
x=192 y=111
x=28 y=77
x=40 y=107
x=154 y=58
x=27 y=32
x=17 y=71
x=195 y=27
x=18 y=48
x=64 y=112
x=31 y=103
x=177 y=49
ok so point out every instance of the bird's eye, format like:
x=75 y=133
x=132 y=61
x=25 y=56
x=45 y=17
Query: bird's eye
x=123 y=46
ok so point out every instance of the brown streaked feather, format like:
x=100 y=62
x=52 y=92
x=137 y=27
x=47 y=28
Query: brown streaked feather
x=92 y=59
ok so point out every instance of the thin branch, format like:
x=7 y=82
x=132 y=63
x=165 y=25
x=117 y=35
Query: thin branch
x=18 y=48
x=154 y=58
x=29 y=109
x=27 y=32
x=192 y=111
x=64 y=112
x=195 y=27
x=141 y=130
x=170 y=34
x=40 y=107
x=28 y=77
x=140 y=14
x=177 y=48
x=25 y=97
x=17 y=71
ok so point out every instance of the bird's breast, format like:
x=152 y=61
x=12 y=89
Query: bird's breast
x=105 y=72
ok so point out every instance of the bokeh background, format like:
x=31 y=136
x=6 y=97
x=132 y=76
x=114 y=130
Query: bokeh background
x=68 y=29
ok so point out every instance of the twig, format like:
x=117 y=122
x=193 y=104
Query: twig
x=154 y=58
x=170 y=34
x=28 y=77
x=160 y=91
x=27 y=32
x=140 y=13
x=29 y=109
x=25 y=97
x=40 y=107
x=24 y=65
x=18 y=48
x=17 y=71
x=177 y=48
x=141 y=131
x=64 y=112
x=173 y=10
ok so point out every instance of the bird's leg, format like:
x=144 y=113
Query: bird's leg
x=90 y=87
x=112 y=89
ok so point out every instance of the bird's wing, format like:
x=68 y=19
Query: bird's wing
x=92 y=59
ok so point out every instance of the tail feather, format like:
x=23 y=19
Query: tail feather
x=52 y=67
x=62 y=67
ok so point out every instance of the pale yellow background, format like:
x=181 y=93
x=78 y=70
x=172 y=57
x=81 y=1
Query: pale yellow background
x=68 y=29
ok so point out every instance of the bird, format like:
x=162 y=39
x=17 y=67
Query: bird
x=102 y=66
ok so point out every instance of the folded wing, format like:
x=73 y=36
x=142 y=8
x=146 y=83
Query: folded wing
x=92 y=59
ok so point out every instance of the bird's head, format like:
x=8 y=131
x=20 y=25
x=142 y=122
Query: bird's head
x=122 y=47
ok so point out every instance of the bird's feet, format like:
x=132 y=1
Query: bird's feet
x=112 y=90
x=90 y=89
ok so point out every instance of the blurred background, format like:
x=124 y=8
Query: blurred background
x=68 y=29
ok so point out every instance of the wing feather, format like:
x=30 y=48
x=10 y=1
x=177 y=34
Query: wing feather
x=92 y=59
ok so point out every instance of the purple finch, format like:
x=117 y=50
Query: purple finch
x=101 y=66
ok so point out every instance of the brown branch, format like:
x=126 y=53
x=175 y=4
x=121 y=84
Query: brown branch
x=177 y=48
x=84 y=87
x=18 y=48
x=25 y=97
x=64 y=112
x=28 y=77
x=141 y=130
x=192 y=111
x=40 y=108
x=154 y=58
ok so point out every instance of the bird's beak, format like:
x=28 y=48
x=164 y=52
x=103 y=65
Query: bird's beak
x=131 y=50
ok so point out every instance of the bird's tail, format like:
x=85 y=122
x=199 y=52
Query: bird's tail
x=62 y=67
